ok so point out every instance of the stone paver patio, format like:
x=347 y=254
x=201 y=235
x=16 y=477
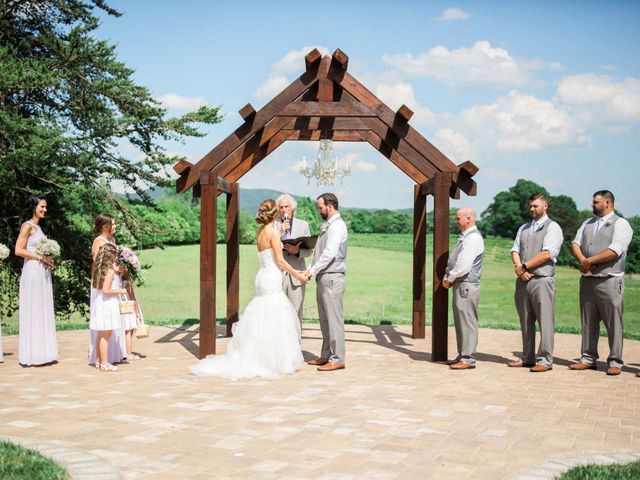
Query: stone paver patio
x=391 y=414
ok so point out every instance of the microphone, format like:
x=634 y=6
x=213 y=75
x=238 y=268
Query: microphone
x=286 y=219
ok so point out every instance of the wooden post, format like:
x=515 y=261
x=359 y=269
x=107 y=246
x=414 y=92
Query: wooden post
x=233 y=257
x=419 y=260
x=440 y=302
x=208 y=238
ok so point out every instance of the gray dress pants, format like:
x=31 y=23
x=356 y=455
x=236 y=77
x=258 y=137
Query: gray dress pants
x=330 y=295
x=535 y=301
x=466 y=297
x=601 y=298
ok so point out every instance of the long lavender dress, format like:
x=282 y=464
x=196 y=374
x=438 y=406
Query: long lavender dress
x=37 y=344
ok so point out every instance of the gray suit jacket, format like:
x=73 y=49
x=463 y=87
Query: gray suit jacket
x=299 y=228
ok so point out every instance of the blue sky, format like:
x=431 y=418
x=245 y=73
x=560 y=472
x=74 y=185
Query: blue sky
x=547 y=91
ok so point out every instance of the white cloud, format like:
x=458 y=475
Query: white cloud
x=601 y=100
x=271 y=87
x=178 y=102
x=362 y=166
x=397 y=93
x=453 y=144
x=479 y=66
x=521 y=122
x=454 y=14
x=293 y=61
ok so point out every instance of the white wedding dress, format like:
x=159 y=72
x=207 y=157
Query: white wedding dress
x=266 y=338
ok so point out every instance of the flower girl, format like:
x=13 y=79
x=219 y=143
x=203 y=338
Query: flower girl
x=105 y=312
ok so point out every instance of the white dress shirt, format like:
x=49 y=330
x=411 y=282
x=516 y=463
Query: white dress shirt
x=473 y=246
x=336 y=243
x=552 y=242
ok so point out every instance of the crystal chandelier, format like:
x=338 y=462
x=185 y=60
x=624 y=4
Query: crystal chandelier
x=325 y=168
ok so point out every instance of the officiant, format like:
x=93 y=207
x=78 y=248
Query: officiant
x=290 y=228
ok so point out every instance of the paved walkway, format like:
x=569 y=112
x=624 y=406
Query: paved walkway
x=391 y=414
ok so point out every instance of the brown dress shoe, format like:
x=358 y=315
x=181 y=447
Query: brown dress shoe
x=330 y=367
x=452 y=362
x=613 y=371
x=540 y=368
x=318 y=361
x=582 y=366
x=520 y=364
x=462 y=366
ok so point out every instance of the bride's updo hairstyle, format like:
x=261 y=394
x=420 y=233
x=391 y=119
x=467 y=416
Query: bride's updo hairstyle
x=267 y=212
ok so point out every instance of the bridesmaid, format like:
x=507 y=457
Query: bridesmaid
x=104 y=229
x=37 y=323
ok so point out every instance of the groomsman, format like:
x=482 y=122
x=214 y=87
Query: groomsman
x=534 y=253
x=463 y=274
x=600 y=247
x=329 y=268
x=291 y=227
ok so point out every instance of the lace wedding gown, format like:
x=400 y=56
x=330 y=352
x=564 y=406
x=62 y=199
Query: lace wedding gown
x=266 y=339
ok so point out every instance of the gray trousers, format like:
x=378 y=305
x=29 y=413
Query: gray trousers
x=535 y=300
x=330 y=295
x=465 y=315
x=601 y=298
x=295 y=294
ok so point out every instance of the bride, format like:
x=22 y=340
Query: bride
x=266 y=339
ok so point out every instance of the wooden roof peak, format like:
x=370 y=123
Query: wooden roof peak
x=326 y=102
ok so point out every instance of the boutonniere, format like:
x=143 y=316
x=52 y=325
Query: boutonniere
x=607 y=223
x=323 y=227
x=539 y=227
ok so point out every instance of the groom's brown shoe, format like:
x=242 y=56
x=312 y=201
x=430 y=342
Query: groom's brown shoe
x=318 y=361
x=330 y=367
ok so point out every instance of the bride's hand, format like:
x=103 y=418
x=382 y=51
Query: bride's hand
x=301 y=276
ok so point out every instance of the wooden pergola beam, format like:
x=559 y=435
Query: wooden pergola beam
x=245 y=131
x=440 y=297
x=208 y=239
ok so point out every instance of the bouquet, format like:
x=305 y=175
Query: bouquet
x=4 y=252
x=48 y=248
x=131 y=262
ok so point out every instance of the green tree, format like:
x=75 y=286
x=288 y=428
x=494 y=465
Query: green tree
x=509 y=209
x=66 y=106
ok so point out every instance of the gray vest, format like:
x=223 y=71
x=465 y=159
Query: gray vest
x=592 y=245
x=531 y=245
x=476 y=269
x=338 y=263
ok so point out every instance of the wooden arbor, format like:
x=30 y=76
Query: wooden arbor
x=325 y=102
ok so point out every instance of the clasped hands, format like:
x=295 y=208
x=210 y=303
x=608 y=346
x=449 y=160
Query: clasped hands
x=304 y=276
x=523 y=274
x=48 y=261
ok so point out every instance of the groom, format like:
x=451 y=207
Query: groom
x=329 y=268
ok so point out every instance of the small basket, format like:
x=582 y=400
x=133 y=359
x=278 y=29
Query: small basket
x=126 y=306
x=142 y=330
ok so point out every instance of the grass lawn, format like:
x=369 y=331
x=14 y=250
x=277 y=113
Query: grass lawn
x=378 y=285
x=19 y=463
x=629 y=471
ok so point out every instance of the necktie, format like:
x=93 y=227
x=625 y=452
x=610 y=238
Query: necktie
x=533 y=228
x=596 y=229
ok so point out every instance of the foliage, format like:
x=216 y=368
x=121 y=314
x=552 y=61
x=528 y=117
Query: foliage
x=629 y=471
x=67 y=107
x=19 y=463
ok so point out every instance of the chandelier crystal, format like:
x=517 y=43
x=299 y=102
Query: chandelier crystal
x=325 y=168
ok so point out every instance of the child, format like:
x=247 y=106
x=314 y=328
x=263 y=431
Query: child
x=105 y=310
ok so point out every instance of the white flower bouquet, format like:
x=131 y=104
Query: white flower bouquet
x=4 y=252
x=48 y=248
